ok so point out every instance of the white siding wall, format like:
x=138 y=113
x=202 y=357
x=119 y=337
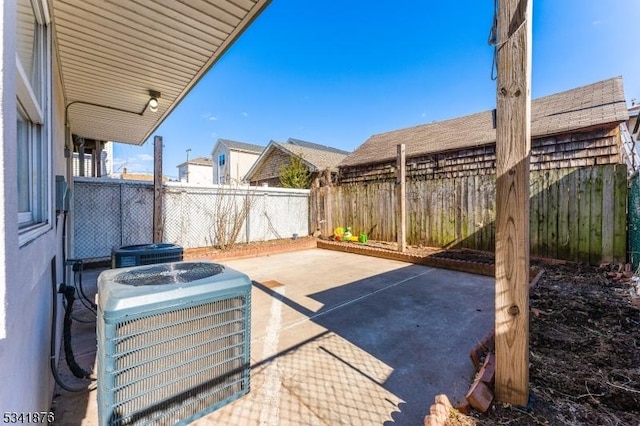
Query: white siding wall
x=198 y=174
x=241 y=162
x=25 y=272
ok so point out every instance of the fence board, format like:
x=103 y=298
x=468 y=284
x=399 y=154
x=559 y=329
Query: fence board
x=449 y=215
x=620 y=213
x=563 y=216
x=477 y=213
x=470 y=191
x=484 y=228
x=572 y=183
x=584 y=219
x=534 y=234
x=491 y=185
x=595 y=228
x=608 y=218
x=543 y=217
x=463 y=210
x=552 y=217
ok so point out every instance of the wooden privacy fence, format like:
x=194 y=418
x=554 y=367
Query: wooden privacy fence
x=575 y=213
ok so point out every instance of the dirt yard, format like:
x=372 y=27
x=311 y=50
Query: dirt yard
x=584 y=350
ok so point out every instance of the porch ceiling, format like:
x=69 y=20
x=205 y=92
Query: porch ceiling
x=111 y=53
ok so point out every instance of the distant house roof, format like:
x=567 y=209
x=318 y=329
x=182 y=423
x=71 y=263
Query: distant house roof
x=317 y=157
x=320 y=157
x=588 y=106
x=198 y=161
x=242 y=146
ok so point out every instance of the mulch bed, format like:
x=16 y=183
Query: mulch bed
x=584 y=352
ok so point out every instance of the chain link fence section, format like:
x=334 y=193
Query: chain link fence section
x=110 y=213
x=634 y=221
x=224 y=215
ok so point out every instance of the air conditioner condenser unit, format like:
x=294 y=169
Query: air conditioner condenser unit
x=173 y=342
x=145 y=254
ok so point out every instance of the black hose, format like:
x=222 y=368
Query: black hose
x=52 y=353
x=86 y=302
x=80 y=288
x=69 y=294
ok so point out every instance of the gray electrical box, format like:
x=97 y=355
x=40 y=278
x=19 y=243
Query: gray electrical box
x=62 y=194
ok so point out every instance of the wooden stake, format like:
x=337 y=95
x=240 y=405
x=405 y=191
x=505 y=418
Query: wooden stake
x=402 y=201
x=157 y=189
x=513 y=145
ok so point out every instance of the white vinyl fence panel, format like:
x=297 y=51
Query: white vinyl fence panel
x=112 y=213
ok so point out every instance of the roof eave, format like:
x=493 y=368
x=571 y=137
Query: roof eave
x=113 y=106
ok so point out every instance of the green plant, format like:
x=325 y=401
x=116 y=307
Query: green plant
x=295 y=174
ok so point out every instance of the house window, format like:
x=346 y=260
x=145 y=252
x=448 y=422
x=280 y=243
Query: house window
x=32 y=88
x=221 y=160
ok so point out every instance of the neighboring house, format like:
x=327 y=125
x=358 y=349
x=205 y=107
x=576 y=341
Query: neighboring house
x=91 y=71
x=196 y=171
x=579 y=127
x=232 y=160
x=317 y=158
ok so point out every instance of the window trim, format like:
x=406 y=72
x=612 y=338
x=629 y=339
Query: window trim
x=38 y=113
x=27 y=98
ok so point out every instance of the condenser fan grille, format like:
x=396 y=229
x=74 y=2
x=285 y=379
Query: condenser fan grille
x=169 y=273
x=168 y=366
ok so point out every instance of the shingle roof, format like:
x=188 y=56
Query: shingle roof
x=319 y=147
x=242 y=146
x=200 y=161
x=587 y=106
x=319 y=156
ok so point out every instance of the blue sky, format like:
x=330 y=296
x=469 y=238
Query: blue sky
x=336 y=72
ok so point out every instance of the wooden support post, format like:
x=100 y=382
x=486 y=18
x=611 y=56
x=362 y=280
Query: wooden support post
x=402 y=199
x=97 y=159
x=513 y=145
x=157 y=189
x=81 y=160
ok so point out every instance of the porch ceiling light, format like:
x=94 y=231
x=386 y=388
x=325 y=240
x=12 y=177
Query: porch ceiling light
x=153 y=100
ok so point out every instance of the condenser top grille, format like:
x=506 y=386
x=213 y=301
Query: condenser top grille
x=168 y=273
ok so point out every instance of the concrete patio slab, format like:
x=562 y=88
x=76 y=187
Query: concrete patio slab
x=340 y=338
